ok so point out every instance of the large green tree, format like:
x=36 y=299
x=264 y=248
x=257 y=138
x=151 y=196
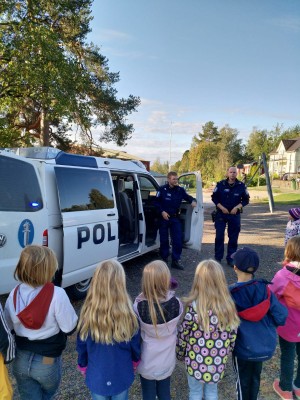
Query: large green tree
x=229 y=143
x=209 y=133
x=260 y=141
x=51 y=79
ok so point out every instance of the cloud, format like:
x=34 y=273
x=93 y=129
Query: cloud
x=290 y=23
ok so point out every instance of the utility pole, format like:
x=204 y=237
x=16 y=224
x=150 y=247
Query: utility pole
x=269 y=187
x=170 y=147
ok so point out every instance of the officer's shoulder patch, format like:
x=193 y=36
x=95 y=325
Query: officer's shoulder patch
x=215 y=189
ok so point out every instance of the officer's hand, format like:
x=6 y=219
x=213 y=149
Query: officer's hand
x=194 y=203
x=165 y=215
x=234 y=210
x=224 y=210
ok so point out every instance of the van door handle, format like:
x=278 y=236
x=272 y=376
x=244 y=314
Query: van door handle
x=111 y=215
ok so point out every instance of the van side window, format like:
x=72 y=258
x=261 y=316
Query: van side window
x=19 y=186
x=83 y=190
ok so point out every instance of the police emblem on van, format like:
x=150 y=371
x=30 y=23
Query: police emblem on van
x=2 y=240
x=26 y=233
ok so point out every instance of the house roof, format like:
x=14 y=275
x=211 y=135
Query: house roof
x=294 y=145
x=291 y=144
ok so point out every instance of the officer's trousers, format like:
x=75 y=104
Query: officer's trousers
x=233 y=223
x=174 y=226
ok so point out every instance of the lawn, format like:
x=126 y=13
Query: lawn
x=287 y=198
x=281 y=196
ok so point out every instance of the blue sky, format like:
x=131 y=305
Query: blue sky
x=233 y=62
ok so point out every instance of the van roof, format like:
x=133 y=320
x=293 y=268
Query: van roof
x=62 y=158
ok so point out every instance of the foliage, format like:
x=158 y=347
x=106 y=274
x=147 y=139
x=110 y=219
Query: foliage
x=203 y=158
x=209 y=133
x=229 y=142
x=185 y=162
x=51 y=79
x=254 y=181
x=159 y=167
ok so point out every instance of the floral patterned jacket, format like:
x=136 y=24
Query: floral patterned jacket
x=205 y=354
x=292 y=229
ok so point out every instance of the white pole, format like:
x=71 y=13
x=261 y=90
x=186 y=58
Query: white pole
x=170 y=148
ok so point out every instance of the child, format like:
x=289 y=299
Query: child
x=293 y=225
x=260 y=314
x=158 y=311
x=42 y=316
x=208 y=331
x=286 y=286
x=7 y=354
x=108 y=340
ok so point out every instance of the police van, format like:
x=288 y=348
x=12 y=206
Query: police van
x=87 y=209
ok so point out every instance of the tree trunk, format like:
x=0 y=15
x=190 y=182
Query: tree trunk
x=45 y=131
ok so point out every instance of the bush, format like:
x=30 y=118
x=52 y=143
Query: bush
x=262 y=182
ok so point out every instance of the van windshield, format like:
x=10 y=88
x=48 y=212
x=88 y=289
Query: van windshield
x=19 y=187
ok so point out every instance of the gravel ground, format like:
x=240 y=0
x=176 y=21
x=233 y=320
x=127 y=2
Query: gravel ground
x=261 y=230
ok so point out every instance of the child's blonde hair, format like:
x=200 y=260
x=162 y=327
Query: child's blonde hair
x=37 y=265
x=292 y=250
x=210 y=292
x=155 y=286
x=107 y=313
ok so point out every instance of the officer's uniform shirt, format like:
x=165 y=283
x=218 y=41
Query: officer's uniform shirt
x=230 y=195
x=169 y=199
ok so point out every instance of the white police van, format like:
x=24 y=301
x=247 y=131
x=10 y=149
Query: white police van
x=87 y=209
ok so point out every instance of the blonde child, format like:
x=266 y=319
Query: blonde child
x=208 y=331
x=158 y=311
x=108 y=340
x=286 y=287
x=293 y=225
x=41 y=316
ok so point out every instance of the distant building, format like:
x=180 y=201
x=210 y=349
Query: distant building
x=286 y=158
x=160 y=178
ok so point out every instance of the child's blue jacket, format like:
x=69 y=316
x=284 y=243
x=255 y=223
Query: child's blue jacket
x=109 y=366
x=260 y=314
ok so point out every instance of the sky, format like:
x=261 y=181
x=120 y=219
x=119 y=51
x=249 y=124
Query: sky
x=233 y=62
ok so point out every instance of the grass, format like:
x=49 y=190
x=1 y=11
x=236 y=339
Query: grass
x=285 y=199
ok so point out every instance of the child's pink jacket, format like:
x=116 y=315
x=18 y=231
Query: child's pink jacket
x=286 y=287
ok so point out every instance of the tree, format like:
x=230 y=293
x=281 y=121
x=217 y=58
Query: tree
x=159 y=167
x=229 y=143
x=290 y=133
x=51 y=79
x=204 y=157
x=185 y=162
x=209 y=134
x=258 y=143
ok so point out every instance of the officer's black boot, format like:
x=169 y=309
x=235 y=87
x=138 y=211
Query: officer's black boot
x=177 y=265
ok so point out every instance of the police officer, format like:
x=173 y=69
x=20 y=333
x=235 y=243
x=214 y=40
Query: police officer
x=168 y=200
x=230 y=196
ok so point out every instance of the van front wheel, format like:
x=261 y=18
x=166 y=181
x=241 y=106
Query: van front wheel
x=79 y=290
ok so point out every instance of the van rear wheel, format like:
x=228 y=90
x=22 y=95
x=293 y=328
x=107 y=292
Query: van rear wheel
x=79 y=290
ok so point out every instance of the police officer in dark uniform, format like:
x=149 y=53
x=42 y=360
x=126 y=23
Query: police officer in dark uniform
x=230 y=196
x=168 y=200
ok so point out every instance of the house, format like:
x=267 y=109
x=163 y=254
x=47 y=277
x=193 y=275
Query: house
x=161 y=179
x=286 y=158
